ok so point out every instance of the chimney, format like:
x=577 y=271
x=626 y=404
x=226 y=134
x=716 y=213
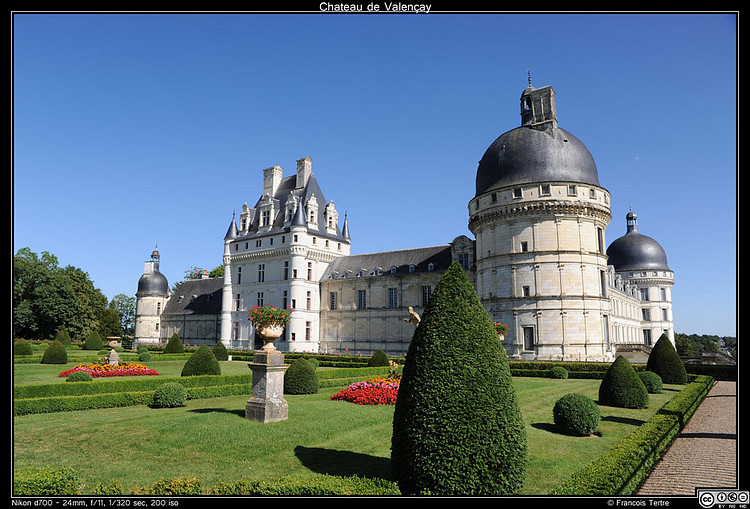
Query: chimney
x=271 y=180
x=304 y=170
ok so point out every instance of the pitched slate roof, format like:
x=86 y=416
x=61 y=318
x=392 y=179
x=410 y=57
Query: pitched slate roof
x=196 y=297
x=365 y=264
x=286 y=188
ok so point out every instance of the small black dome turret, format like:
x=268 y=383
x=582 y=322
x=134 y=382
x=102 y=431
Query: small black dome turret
x=152 y=282
x=635 y=251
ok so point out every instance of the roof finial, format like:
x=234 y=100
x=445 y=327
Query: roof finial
x=529 y=73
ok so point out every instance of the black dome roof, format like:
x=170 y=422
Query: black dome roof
x=635 y=251
x=527 y=154
x=153 y=284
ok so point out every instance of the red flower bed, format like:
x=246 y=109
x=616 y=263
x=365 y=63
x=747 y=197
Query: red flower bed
x=371 y=392
x=103 y=370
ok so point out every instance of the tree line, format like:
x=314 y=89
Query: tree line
x=47 y=298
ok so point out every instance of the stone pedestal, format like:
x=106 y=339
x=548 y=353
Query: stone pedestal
x=267 y=403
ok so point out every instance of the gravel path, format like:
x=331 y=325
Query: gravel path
x=704 y=454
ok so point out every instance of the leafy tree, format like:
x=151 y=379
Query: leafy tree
x=47 y=297
x=457 y=426
x=109 y=324
x=125 y=307
x=197 y=273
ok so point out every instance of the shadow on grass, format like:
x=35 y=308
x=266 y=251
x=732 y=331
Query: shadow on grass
x=239 y=412
x=343 y=463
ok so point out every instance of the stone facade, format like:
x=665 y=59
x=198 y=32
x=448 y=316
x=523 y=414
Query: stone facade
x=538 y=262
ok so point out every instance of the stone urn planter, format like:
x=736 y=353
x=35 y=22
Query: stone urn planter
x=269 y=333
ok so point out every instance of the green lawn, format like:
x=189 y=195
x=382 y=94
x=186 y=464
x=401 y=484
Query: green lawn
x=211 y=439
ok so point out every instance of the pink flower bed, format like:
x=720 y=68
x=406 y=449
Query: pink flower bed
x=103 y=370
x=371 y=392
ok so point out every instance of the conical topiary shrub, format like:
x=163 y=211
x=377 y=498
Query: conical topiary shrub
x=665 y=362
x=174 y=345
x=63 y=336
x=220 y=352
x=457 y=426
x=622 y=387
x=202 y=362
x=55 y=354
x=93 y=342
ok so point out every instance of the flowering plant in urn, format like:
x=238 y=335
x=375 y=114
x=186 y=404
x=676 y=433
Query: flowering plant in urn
x=269 y=322
x=501 y=328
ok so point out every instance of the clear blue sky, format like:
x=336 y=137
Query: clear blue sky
x=132 y=130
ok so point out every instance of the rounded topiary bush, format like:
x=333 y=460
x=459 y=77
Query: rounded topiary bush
x=622 y=387
x=170 y=395
x=55 y=354
x=461 y=434
x=174 y=345
x=378 y=359
x=202 y=362
x=652 y=381
x=300 y=378
x=576 y=414
x=558 y=372
x=665 y=362
x=80 y=376
x=21 y=347
x=220 y=352
x=93 y=342
x=144 y=356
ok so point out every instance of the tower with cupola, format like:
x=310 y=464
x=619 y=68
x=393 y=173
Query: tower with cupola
x=539 y=216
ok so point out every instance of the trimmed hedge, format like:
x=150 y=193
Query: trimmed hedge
x=622 y=470
x=46 y=481
x=47 y=398
x=315 y=485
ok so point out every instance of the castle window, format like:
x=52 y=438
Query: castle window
x=239 y=275
x=430 y=267
x=524 y=246
x=646 y=314
x=526 y=291
x=426 y=291
x=393 y=269
x=308 y=331
x=517 y=193
x=647 y=337
x=265 y=218
x=592 y=194
x=528 y=338
x=286 y=271
x=411 y=268
x=494 y=197
x=663 y=293
x=361 y=299
x=261 y=273
x=544 y=190
x=308 y=301
x=463 y=260
x=571 y=190
x=392 y=298
x=237 y=301
x=644 y=293
x=332 y=298
x=309 y=271
x=259 y=299
x=258 y=243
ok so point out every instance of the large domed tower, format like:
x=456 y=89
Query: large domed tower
x=151 y=297
x=641 y=261
x=539 y=216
